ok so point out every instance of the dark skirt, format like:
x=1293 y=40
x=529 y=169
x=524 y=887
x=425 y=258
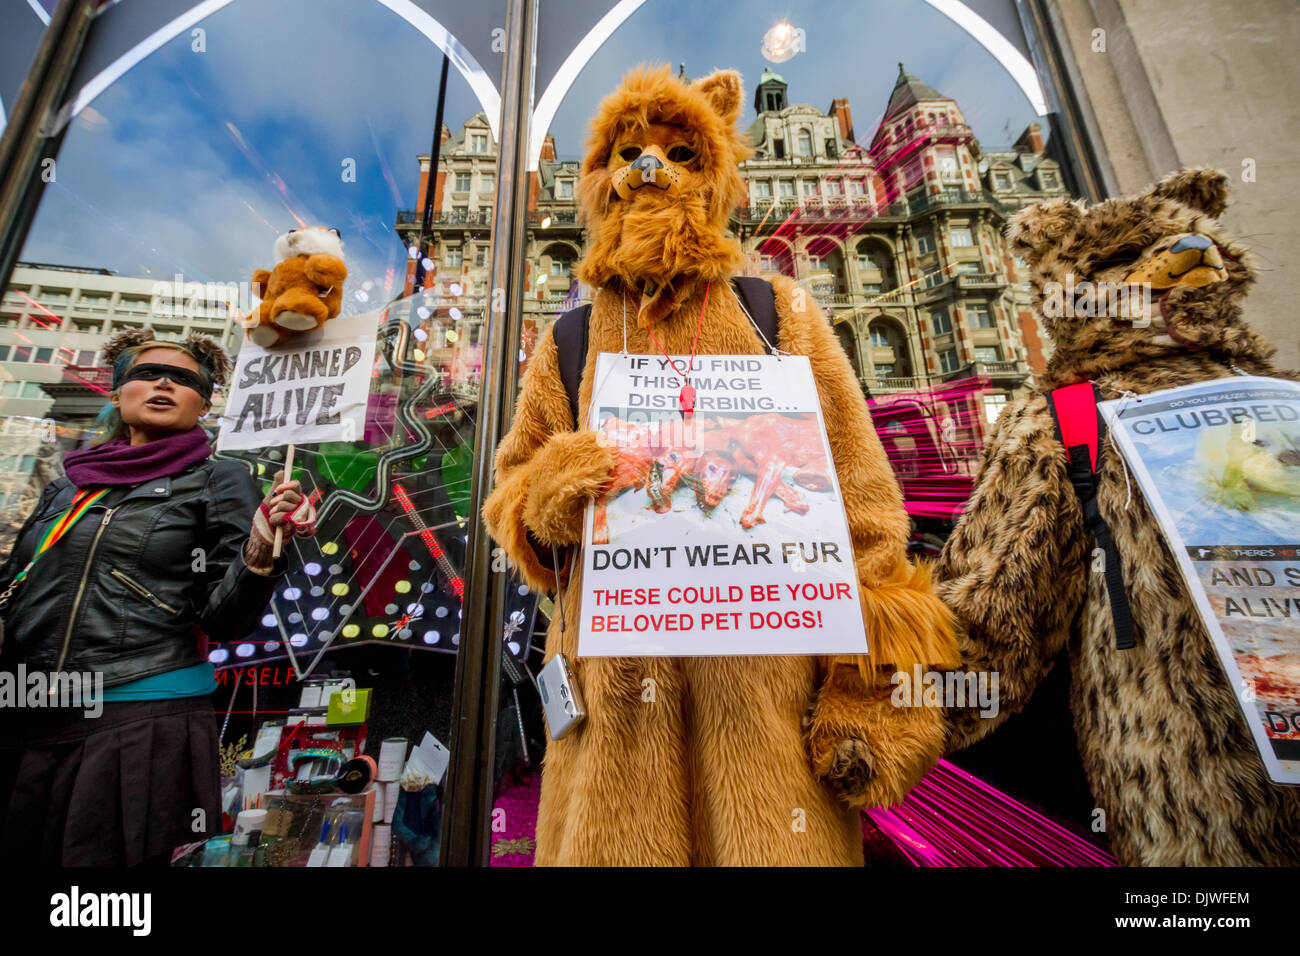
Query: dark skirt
x=120 y=789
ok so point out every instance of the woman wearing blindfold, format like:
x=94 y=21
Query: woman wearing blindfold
x=147 y=550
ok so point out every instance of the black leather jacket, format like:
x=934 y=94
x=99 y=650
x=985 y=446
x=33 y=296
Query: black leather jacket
x=123 y=591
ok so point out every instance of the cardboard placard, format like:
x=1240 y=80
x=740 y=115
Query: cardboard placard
x=313 y=388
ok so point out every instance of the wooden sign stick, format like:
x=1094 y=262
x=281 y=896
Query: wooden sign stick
x=288 y=476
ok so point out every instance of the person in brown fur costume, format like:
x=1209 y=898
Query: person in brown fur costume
x=1164 y=744
x=737 y=760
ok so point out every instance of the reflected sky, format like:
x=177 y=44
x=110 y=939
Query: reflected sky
x=196 y=161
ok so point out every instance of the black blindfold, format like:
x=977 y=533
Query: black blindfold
x=153 y=371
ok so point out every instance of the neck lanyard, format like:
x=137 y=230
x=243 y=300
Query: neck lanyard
x=687 y=396
x=81 y=503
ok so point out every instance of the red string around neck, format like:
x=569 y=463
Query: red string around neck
x=687 y=397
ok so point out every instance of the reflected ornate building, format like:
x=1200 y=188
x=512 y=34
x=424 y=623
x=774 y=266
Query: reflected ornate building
x=900 y=239
x=459 y=229
x=899 y=236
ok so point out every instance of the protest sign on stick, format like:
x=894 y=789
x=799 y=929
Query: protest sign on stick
x=313 y=388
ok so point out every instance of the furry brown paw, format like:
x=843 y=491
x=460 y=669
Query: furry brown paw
x=570 y=469
x=852 y=768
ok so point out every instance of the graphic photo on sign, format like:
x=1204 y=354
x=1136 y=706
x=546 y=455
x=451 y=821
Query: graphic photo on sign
x=716 y=467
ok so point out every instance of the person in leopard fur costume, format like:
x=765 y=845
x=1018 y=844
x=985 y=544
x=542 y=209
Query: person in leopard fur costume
x=1165 y=746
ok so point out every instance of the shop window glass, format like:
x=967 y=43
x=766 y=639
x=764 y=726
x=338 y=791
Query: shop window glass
x=427 y=362
x=192 y=166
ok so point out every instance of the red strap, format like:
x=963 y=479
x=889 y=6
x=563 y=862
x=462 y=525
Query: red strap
x=1076 y=415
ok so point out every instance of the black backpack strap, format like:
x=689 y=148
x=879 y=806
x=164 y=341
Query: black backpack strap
x=571 y=347
x=1082 y=430
x=759 y=299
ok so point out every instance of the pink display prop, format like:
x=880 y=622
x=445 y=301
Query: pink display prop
x=952 y=818
x=933 y=438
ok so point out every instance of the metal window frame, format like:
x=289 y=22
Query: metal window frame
x=1088 y=169
x=470 y=787
x=26 y=145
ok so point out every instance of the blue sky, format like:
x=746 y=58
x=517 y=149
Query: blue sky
x=194 y=162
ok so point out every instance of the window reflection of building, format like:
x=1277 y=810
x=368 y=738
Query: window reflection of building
x=55 y=318
x=899 y=238
x=905 y=229
x=460 y=237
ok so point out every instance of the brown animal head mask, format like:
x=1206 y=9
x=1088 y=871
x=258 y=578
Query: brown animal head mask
x=1137 y=277
x=658 y=182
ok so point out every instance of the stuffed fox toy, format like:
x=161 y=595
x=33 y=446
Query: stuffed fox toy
x=732 y=760
x=304 y=290
x=1166 y=749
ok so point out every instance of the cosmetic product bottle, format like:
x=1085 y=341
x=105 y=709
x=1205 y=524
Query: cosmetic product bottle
x=247 y=835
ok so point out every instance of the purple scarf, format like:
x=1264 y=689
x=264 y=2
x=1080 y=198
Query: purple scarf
x=118 y=462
